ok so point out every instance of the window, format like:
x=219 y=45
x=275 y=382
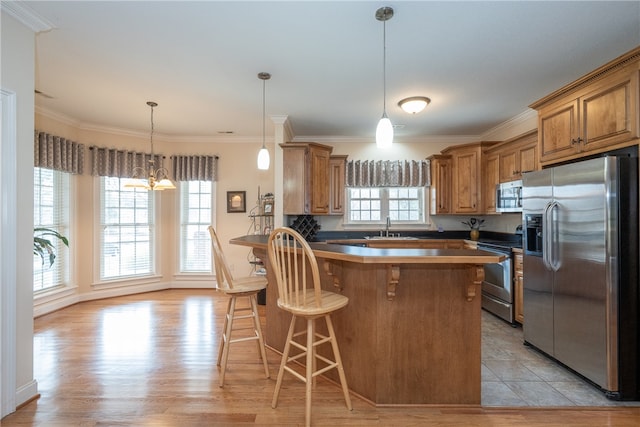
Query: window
x=373 y=205
x=196 y=214
x=50 y=210
x=127 y=230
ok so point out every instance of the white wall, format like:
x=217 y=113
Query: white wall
x=18 y=77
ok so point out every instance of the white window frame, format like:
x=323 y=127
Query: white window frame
x=202 y=224
x=152 y=208
x=384 y=210
x=55 y=217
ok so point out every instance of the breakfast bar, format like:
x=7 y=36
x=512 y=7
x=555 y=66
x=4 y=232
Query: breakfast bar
x=411 y=334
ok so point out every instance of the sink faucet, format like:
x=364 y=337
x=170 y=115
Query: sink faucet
x=388 y=226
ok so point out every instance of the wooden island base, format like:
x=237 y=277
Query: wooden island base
x=411 y=334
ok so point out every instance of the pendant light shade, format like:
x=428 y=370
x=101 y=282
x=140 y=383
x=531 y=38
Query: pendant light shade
x=263 y=154
x=151 y=178
x=384 y=130
x=384 y=133
x=263 y=159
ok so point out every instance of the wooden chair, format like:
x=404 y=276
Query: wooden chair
x=235 y=288
x=294 y=265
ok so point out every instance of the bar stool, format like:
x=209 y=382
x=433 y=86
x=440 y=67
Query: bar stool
x=235 y=288
x=294 y=264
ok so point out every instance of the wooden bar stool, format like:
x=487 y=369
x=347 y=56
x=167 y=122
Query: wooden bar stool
x=294 y=265
x=235 y=288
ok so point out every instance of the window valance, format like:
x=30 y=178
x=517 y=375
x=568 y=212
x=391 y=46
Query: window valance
x=195 y=168
x=54 y=152
x=387 y=173
x=120 y=163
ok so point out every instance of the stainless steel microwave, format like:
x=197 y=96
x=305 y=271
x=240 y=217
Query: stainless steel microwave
x=509 y=196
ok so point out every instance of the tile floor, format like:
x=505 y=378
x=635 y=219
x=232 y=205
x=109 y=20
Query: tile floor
x=516 y=375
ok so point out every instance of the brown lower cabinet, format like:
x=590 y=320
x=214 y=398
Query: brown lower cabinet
x=518 y=280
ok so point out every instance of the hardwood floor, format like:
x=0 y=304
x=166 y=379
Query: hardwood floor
x=149 y=360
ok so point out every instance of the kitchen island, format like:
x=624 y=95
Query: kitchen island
x=411 y=334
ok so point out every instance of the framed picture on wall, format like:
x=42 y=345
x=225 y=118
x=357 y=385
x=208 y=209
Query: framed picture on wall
x=236 y=201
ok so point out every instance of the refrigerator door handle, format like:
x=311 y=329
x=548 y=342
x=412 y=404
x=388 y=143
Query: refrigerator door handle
x=553 y=260
x=549 y=238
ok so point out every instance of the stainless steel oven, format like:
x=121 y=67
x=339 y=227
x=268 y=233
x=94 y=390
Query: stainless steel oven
x=497 y=286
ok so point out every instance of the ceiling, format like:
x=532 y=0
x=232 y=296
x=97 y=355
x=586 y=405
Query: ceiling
x=481 y=63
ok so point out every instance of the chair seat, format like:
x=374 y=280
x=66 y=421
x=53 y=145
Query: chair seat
x=330 y=302
x=246 y=285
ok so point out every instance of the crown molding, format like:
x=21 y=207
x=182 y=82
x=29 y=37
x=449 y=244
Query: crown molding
x=90 y=127
x=516 y=125
x=27 y=16
x=446 y=139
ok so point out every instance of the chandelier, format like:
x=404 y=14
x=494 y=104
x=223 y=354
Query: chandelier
x=151 y=178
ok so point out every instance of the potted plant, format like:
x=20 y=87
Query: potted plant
x=42 y=245
x=474 y=224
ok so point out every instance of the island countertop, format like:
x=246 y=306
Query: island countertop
x=411 y=333
x=366 y=255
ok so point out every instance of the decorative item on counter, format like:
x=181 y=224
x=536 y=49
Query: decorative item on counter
x=307 y=226
x=474 y=224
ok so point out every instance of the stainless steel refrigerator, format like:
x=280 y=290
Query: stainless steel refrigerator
x=581 y=293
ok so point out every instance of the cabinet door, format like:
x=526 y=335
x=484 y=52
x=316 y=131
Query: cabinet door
x=508 y=166
x=295 y=182
x=466 y=182
x=528 y=159
x=558 y=131
x=518 y=279
x=440 y=185
x=609 y=114
x=319 y=168
x=336 y=172
x=490 y=176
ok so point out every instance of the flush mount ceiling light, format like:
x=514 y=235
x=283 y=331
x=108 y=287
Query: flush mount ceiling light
x=414 y=104
x=151 y=179
x=384 y=130
x=263 y=154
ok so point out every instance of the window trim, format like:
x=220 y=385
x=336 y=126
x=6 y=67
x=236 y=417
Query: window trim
x=67 y=273
x=191 y=275
x=426 y=217
x=133 y=280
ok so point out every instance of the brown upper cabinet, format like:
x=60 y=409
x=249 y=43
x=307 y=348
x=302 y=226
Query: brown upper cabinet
x=515 y=156
x=466 y=168
x=490 y=178
x=596 y=113
x=520 y=155
x=306 y=178
x=440 y=187
x=337 y=166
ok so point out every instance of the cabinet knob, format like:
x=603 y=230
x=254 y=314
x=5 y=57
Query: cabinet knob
x=578 y=140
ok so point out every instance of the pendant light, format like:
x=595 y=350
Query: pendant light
x=263 y=154
x=384 y=130
x=151 y=179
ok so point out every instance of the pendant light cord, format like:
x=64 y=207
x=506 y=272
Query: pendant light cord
x=151 y=138
x=384 y=68
x=264 y=83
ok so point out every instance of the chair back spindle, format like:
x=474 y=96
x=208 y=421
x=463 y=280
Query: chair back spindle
x=297 y=274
